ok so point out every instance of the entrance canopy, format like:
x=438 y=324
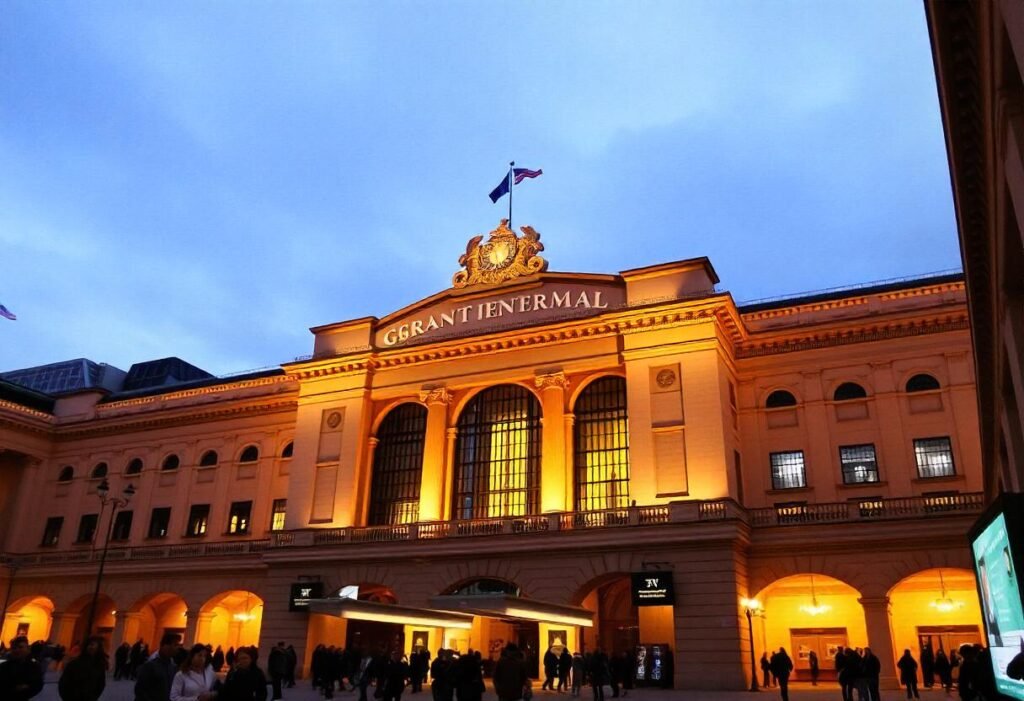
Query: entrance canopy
x=511 y=606
x=389 y=613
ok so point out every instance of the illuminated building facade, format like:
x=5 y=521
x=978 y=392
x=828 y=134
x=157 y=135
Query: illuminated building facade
x=530 y=456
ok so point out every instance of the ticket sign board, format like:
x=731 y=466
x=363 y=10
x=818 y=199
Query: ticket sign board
x=997 y=542
x=653 y=589
x=302 y=592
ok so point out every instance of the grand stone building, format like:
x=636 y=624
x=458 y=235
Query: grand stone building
x=500 y=461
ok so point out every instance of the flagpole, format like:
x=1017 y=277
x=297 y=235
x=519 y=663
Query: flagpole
x=510 y=183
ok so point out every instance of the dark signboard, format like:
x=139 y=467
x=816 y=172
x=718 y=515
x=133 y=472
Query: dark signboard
x=653 y=589
x=302 y=592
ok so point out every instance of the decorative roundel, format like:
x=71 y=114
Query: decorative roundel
x=333 y=420
x=666 y=378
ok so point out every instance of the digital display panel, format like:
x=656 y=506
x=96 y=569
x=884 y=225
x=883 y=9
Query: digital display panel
x=302 y=592
x=1000 y=601
x=652 y=589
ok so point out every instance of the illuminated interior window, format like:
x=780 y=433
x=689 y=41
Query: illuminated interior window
x=497 y=470
x=277 y=514
x=398 y=466
x=602 y=446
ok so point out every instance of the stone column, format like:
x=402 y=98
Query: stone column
x=878 y=617
x=553 y=488
x=63 y=628
x=203 y=620
x=234 y=633
x=191 y=627
x=434 y=454
x=570 y=464
x=364 y=501
x=447 y=508
x=126 y=629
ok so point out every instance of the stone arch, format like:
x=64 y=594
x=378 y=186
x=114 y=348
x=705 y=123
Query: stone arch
x=387 y=408
x=231 y=618
x=31 y=612
x=467 y=395
x=151 y=615
x=939 y=606
x=866 y=580
x=585 y=381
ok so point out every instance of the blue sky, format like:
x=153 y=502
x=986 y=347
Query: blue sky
x=208 y=180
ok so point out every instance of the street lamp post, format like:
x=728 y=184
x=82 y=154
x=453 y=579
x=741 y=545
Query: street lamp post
x=103 y=491
x=752 y=607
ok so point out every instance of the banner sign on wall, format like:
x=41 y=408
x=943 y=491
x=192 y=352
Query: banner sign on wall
x=653 y=589
x=302 y=592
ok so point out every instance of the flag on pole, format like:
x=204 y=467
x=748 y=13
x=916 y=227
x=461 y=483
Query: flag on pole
x=7 y=313
x=518 y=174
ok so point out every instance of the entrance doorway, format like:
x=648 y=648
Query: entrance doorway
x=947 y=638
x=374 y=636
x=824 y=642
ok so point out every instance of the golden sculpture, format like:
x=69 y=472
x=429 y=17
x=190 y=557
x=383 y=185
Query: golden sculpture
x=503 y=257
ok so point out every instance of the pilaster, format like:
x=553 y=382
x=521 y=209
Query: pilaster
x=435 y=449
x=554 y=488
x=878 y=619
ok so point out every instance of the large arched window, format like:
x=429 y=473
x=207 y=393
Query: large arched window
x=398 y=466
x=497 y=455
x=601 y=457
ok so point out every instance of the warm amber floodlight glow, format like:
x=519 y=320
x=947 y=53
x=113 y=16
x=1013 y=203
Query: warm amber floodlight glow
x=814 y=608
x=944 y=604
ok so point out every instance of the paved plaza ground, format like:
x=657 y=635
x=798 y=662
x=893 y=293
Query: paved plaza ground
x=122 y=691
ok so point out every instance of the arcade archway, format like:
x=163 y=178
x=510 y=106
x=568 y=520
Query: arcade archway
x=809 y=612
x=152 y=616
x=230 y=619
x=103 y=620
x=937 y=608
x=31 y=616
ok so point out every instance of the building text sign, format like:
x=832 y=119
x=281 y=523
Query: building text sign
x=458 y=317
x=653 y=589
x=302 y=592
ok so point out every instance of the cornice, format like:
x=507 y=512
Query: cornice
x=161 y=401
x=847 y=335
x=619 y=322
x=31 y=414
x=131 y=423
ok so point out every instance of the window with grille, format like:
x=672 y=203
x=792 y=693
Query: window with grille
x=497 y=455
x=122 y=526
x=934 y=457
x=858 y=463
x=788 y=470
x=51 y=534
x=602 y=446
x=87 y=528
x=277 y=513
x=198 y=520
x=238 y=517
x=159 y=522
x=398 y=466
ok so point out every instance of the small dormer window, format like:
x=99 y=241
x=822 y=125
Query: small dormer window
x=134 y=467
x=848 y=391
x=171 y=462
x=287 y=452
x=209 y=459
x=99 y=471
x=67 y=473
x=780 y=398
x=922 y=382
x=250 y=454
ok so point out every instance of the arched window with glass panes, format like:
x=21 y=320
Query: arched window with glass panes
x=497 y=455
x=398 y=466
x=601 y=446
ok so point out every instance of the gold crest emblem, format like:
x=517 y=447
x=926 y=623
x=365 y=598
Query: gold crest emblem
x=504 y=256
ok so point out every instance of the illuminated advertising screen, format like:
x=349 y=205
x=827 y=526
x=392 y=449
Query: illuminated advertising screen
x=995 y=566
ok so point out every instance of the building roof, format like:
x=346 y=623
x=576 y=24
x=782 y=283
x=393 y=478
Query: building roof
x=25 y=397
x=67 y=377
x=834 y=293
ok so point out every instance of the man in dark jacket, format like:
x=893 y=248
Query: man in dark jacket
x=872 y=668
x=550 y=670
x=153 y=681
x=782 y=665
x=20 y=676
x=510 y=677
x=85 y=677
x=277 y=666
x=564 y=666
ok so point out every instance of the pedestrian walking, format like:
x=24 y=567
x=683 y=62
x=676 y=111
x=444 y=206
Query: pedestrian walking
x=393 y=679
x=218 y=660
x=85 y=677
x=908 y=674
x=277 y=667
x=20 y=675
x=245 y=681
x=564 y=667
x=154 y=678
x=579 y=673
x=510 y=678
x=812 y=662
x=944 y=670
x=195 y=678
x=766 y=670
x=600 y=674
x=782 y=666
x=927 y=666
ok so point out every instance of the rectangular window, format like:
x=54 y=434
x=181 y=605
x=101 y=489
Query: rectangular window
x=788 y=470
x=858 y=463
x=159 y=522
x=87 y=528
x=198 y=517
x=277 y=514
x=51 y=534
x=934 y=457
x=122 y=526
x=238 y=518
